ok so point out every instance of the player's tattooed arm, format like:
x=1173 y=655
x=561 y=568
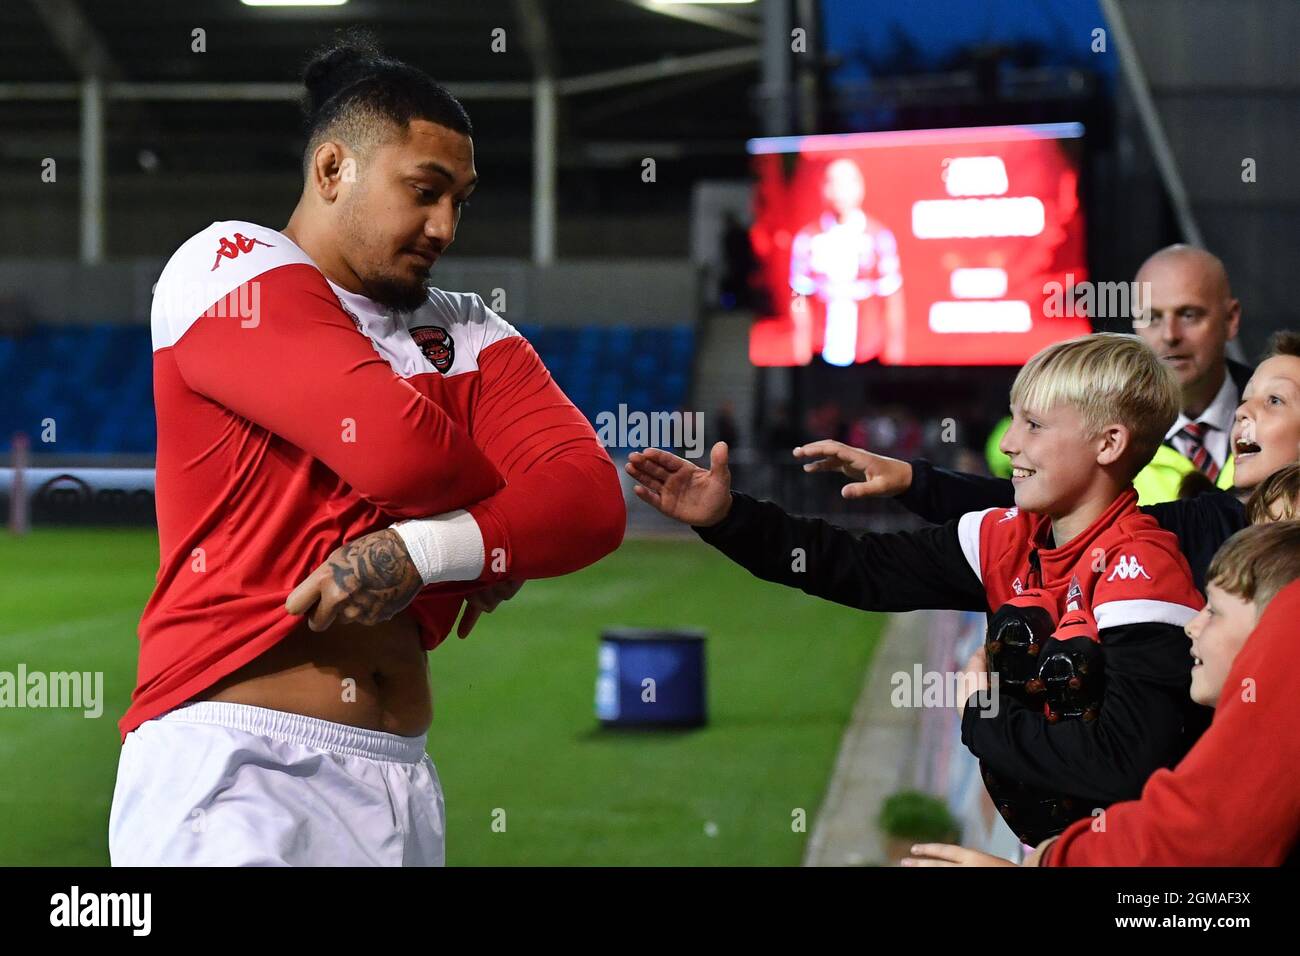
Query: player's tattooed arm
x=365 y=581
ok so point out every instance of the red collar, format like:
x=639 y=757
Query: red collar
x=1056 y=563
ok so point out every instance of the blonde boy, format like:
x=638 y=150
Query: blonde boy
x=1074 y=576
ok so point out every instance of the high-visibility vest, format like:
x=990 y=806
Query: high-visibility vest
x=1158 y=481
x=999 y=464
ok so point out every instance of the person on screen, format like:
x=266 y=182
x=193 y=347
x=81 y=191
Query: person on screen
x=848 y=263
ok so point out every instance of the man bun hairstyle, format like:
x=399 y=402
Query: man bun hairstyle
x=355 y=93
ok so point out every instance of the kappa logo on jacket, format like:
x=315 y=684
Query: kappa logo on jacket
x=230 y=250
x=1127 y=569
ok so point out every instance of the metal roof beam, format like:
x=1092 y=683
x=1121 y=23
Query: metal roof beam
x=717 y=19
x=487 y=90
x=668 y=66
x=537 y=37
x=77 y=38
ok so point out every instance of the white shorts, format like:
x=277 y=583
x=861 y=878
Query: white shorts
x=219 y=784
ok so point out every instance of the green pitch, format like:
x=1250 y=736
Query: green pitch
x=529 y=776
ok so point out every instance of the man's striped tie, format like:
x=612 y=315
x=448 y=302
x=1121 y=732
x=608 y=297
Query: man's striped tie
x=1194 y=432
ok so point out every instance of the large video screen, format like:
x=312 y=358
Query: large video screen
x=922 y=247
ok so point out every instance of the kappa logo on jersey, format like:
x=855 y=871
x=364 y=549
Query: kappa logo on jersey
x=229 y=250
x=436 y=344
x=1127 y=568
x=1009 y=514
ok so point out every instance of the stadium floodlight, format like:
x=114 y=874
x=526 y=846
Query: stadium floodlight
x=293 y=3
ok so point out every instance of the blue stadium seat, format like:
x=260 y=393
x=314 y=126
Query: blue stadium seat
x=97 y=382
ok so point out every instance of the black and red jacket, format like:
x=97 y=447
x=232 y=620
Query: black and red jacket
x=1124 y=569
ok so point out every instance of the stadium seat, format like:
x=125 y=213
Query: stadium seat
x=111 y=410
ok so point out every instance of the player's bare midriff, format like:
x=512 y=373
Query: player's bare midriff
x=308 y=673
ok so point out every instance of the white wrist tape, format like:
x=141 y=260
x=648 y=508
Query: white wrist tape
x=446 y=547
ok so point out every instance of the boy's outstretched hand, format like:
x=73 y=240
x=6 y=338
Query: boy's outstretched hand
x=946 y=854
x=680 y=490
x=870 y=475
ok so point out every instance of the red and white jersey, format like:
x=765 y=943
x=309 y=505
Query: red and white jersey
x=1124 y=568
x=852 y=259
x=294 y=415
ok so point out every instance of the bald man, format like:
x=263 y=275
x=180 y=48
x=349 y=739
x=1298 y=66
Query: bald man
x=1190 y=319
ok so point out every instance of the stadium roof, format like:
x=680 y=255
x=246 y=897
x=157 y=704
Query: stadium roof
x=628 y=70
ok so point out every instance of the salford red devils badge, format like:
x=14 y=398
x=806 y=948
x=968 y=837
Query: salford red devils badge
x=436 y=344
